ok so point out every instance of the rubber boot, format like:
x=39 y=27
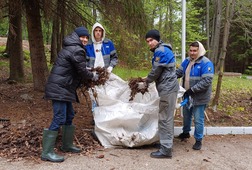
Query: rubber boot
x=67 y=139
x=49 y=139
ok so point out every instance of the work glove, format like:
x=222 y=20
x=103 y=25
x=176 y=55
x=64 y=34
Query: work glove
x=88 y=68
x=188 y=93
x=95 y=77
x=142 y=85
x=109 y=69
x=183 y=103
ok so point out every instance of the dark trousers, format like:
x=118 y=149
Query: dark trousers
x=63 y=114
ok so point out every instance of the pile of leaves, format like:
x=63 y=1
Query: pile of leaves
x=133 y=85
x=24 y=140
x=24 y=116
x=20 y=140
x=103 y=77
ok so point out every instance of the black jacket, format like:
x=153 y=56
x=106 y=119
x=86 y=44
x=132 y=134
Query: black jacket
x=68 y=72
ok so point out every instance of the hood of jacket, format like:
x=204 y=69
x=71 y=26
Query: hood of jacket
x=202 y=51
x=92 y=34
x=72 y=40
x=162 y=43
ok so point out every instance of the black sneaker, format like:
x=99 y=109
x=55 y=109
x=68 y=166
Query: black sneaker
x=183 y=136
x=197 y=145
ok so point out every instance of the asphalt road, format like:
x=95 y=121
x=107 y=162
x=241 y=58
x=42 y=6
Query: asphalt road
x=227 y=152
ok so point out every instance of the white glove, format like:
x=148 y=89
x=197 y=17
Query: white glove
x=178 y=105
x=109 y=69
x=141 y=85
x=88 y=68
x=95 y=77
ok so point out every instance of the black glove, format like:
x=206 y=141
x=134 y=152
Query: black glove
x=188 y=93
x=95 y=77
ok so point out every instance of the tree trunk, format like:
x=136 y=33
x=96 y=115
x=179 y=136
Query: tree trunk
x=63 y=20
x=94 y=9
x=229 y=14
x=54 y=41
x=59 y=40
x=207 y=25
x=215 y=38
x=37 y=52
x=169 y=28
x=15 y=48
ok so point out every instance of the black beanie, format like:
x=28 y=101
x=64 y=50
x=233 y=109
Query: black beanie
x=82 y=31
x=153 y=34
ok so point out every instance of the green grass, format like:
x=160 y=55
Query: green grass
x=228 y=82
x=126 y=73
x=233 y=83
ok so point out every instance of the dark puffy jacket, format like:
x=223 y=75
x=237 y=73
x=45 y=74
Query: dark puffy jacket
x=68 y=72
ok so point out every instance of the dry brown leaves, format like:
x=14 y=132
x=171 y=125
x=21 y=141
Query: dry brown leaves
x=23 y=140
x=20 y=141
x=133 y=84
x=103 y=77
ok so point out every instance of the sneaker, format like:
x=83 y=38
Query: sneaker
x=183 y=136
x=197 y=145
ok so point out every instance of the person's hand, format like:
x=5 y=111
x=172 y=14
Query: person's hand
x=95 y=77
x=142 y=85
x=88 y=68
x=188 y=93
x=109 y=69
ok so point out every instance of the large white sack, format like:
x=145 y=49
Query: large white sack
x=119 y=122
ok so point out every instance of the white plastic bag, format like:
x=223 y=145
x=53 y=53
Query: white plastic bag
x=119 y=122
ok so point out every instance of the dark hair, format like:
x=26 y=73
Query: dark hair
x=194 y=44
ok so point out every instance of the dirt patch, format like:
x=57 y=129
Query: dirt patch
x=24 y=114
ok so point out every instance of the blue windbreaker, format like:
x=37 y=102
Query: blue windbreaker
x=201 y=76
x=163 y=70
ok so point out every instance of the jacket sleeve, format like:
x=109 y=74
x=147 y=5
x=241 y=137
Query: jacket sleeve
x=206 y=78
x=79 y=62
x=179 y=72
x=158 y=65
x=113 y=55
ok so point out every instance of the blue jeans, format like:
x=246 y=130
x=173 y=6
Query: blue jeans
x=198 y=113
x=63 y=114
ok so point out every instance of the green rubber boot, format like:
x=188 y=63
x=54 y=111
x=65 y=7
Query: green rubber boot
x=67 y=139
x=49 y=139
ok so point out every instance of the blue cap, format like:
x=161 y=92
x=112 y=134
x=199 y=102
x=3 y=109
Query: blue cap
x=82 y=31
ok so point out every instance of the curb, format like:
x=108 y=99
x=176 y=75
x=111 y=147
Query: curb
x=219 y=130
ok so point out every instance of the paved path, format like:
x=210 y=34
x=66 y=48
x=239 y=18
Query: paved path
x=227 y=152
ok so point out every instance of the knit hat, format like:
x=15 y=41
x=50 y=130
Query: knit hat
x=153 y=34
x=82 y=31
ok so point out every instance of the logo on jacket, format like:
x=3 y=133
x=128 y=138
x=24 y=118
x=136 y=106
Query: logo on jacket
x=209 y=69
x=157 y=59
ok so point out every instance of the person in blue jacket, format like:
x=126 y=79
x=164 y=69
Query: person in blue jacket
x=163 y=73
x=101 y=52
x=197 y=72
